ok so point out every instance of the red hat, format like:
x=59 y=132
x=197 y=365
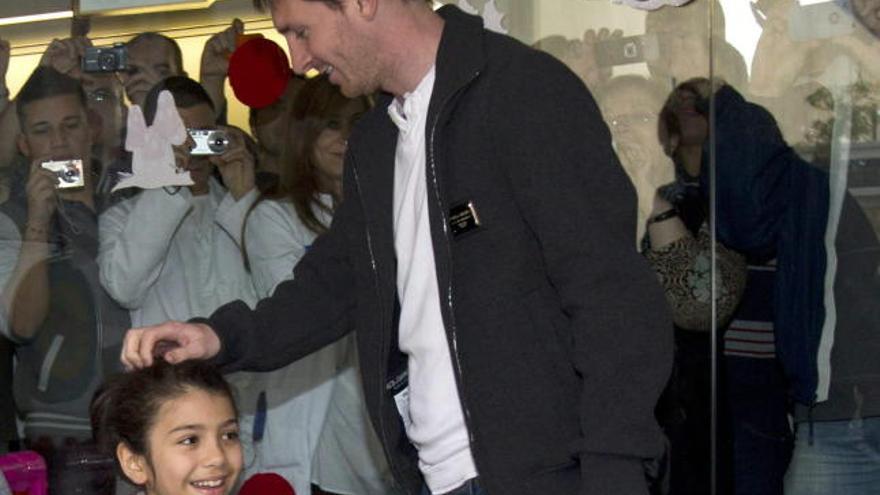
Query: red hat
x=258 y=72
x=266 y=484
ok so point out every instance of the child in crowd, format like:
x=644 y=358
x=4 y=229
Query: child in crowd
x=173 y=429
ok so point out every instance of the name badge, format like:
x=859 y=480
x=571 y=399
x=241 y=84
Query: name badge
x=463 y=218
x=399 y=388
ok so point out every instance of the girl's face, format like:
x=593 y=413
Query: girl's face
x=194 y=447
x=329 y=151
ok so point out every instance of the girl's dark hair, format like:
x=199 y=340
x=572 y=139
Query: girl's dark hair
x=125 y=407
x=313 y=109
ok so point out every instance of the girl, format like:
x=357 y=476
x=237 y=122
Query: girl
x=173 y=429
x=316 y=428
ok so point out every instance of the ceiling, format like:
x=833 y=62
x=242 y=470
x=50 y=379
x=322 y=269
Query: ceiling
x=10 y=8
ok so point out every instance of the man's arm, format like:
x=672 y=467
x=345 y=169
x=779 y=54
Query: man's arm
x=26 y=289
x=576 y=198
x=301 y=316
x=215 y=64
x=135 y=236
x=8 y=117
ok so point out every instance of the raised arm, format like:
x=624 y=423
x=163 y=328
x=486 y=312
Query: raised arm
x=135 y=236
x=215 y=64
x=26 y=289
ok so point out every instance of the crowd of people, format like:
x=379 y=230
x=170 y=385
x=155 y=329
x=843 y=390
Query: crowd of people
x=441 y=267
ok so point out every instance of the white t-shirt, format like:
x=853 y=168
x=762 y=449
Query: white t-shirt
x=434 y=420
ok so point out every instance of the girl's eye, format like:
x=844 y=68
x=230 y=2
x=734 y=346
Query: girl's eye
x=191 y=440
x=334 y=124
x=301 y=33
x=231 y=435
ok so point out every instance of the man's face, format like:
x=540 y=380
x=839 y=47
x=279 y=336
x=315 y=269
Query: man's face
x=150 y=61
x=56 y=128
x=332 y=41
x=105 y=100
x=197 y=117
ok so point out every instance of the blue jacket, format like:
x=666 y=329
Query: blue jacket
x=770 y=202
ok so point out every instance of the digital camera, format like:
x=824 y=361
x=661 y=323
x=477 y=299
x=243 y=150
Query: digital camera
x=105 y=58
x=208 y=142
x=629 y=50
x=69 y=173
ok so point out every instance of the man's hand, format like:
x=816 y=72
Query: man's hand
x=174 y=341
x=215 y=56
x=65 y=55
x=586 y=65
x=42 y=196
x=236 y=165
x=778 y=60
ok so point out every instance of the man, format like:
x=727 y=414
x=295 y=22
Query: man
x=65 y=328
x=151 y=58
x=511 y=339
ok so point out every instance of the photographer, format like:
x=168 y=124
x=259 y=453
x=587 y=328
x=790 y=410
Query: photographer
x=151 y=58
x=65 y=328
x=173 y=252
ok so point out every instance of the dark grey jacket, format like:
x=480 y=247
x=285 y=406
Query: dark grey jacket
x=559 y=333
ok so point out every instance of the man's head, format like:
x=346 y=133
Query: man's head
x=151 y=58
x=197 y=112
x=53 y=118
x=361 y=47
x=105 y=101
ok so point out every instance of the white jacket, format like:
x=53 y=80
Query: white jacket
x=174 y=256
x=317 y=428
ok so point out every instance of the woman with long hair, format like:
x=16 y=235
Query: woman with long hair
x=309 y=420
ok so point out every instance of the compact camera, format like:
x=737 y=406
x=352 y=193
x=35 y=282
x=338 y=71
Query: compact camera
x=105 y=58
x=629 y=50
x=208 y=142
x=69 y=173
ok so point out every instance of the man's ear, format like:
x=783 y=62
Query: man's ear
x=367 y=8
x=134 y=466
x=23 y=146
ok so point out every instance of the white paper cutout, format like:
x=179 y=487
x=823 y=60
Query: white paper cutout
x=493 y=19
x=651 y=4
x=467 y=8
x=152 y=156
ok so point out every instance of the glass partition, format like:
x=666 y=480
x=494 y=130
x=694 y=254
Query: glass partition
x=749 y=131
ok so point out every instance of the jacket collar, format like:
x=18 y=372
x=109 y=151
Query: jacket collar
x=460 y=56
x=462 y=53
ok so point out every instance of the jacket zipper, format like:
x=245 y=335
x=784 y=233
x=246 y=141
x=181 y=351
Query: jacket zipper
x=384 y=345
x=456 y=359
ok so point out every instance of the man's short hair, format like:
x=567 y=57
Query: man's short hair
x=264 y=5
x=186 y=92
x=175 y=48
x=46 y=82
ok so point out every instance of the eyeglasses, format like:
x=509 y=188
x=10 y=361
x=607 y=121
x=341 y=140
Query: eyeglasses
x=101 y=95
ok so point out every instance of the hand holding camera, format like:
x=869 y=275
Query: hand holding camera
x=41 y=196
x=236 y=164
x=64 y=55
x=590 y=68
